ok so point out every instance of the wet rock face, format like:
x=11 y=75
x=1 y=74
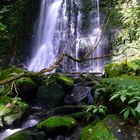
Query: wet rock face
x=50 y=95
x=78 y=94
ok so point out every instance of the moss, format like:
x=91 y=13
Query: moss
x=130 y=67
x=23 y=135
x=10 y=72
x=66 y=82
x=114 y=69
x=97 y=131
x=57 y=122
x=12 y=109
x=27 y=81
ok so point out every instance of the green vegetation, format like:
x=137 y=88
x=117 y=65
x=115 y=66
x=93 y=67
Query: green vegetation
x=56 y=122
x=24 y=135
x=11 y=109
x=125 y=91
x=98 y=130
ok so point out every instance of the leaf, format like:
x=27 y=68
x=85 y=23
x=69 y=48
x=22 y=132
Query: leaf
x=123 y=110
x=126 y=114
x=123 y=98
x=132 y=101
x=95 y=110
x=133 y=112
x=138 y=107
x=101 y=110
x=113 y=97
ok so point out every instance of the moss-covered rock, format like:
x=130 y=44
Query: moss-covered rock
x=110 y=129
x=27 y=135
x=97 y=131
x=10 y=72
x=11 y=110
x=130 y=67
x=26 y=88
x=51 y=93
x=114 y=69
x=57 y=124
x=66 y=82
x=23 y=135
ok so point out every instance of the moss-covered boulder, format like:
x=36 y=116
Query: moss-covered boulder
x=26 y=88
x=10 y=72
x=98 y=131
x=11 y=110
x=22 y=135
x=110 y=128
x=27 y=135
x=130 y=67
x=57 y=124
x=51 y=93
x=66 y=82
x=114 y=70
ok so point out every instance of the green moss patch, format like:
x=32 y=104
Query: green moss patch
x=131 y=67
x=23 y=135
x=66 y=82
x=11 y=109
x=10 y=72
x=56 y=122
x=97 y=131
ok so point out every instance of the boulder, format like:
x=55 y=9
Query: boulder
x=10 y=72
x=66 y=82
x=11 y=111
x=110 y=128
x=26 y=88
x=27 y=135
x=114 y=70
x=22 y=135
x=57 y=124
x=79 y=94
x=50 y=94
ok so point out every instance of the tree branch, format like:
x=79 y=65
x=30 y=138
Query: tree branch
x=55 y=65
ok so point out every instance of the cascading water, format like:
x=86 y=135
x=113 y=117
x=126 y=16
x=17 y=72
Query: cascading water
x=45 y=55
x=66 y=27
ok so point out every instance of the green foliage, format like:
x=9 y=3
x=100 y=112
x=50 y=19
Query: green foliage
x=129 y=36
x=127 y=111
x=126 y=90
x=15 y=20
x=11 y=109
x=94 y=109
x=114 y=69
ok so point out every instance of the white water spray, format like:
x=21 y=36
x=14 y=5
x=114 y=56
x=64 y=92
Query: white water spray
x=60 y=31
x=45 y=53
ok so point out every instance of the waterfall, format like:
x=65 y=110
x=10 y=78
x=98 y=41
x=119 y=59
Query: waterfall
x=65 y=27
x=45 y=55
